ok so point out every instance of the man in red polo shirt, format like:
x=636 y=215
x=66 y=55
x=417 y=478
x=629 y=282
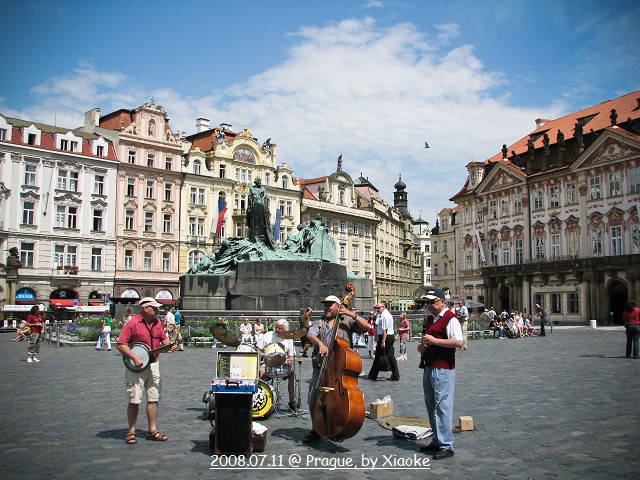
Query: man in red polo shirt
x=441 y=335
x=146 y=328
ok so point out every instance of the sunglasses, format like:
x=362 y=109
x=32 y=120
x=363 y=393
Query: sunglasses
x=431 y=302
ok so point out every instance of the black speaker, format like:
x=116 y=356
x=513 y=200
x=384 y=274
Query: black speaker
x=233 y=424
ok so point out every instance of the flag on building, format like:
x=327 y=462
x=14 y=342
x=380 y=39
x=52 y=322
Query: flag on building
x=222 y=210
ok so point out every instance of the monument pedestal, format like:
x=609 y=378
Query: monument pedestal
x=271 y=285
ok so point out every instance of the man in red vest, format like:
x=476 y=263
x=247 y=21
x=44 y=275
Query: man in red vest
x=441 y=335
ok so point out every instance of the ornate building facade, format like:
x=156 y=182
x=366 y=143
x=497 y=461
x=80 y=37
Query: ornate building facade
x=149 y=189
x=553 y=219
x=57 y=206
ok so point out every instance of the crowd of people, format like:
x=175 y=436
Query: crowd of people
x=511 y=325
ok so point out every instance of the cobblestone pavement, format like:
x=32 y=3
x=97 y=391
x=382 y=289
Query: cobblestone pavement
x=564 y=406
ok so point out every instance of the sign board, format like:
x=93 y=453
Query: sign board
x=22 y=308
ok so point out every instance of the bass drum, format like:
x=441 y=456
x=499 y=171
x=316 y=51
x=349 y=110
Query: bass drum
x=263 y=400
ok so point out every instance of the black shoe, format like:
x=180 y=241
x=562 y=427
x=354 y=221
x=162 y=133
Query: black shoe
x=292 y=406
x=393 y=379
x=443 y=453
x=312 y=436
x=429 y=448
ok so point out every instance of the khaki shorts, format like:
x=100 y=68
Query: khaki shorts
x=148 y=380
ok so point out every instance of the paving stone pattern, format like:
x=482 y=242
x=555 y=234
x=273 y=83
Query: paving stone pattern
x=561 y=407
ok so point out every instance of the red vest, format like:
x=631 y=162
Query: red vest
x=434 y=356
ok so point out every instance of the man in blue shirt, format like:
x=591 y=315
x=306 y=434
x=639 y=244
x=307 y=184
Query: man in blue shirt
x=178 y=317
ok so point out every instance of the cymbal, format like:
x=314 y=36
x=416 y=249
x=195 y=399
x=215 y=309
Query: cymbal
x=225 y=336
x=299 y=333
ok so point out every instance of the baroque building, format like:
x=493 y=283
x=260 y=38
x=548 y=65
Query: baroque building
x=57 y=206
x=149 y=189
x=553 y=219
x=443 y=252
x=220 y=166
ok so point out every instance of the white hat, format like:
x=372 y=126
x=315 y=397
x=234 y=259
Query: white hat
x=149 y=302
x=331 y=299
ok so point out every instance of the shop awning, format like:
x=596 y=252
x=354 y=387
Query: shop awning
x=62 y=303
x=166 y=301
x=96 y=304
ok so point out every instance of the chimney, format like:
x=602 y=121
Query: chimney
x=202 y=124
x=91 y=119
x=541 y=121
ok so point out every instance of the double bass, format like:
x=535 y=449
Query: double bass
x=339 y=410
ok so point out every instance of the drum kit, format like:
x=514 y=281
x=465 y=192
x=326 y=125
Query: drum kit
x=266 y=397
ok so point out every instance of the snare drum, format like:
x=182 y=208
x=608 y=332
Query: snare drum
x=246 y=347
x=274 y=354
x=262 y=400
x=283 y=371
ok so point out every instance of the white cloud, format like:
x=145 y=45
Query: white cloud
x=373 y=94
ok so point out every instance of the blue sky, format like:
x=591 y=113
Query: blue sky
x=369 y=79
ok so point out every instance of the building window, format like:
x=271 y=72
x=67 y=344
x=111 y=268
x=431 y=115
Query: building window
x=594 y=188
x=343 y=251
x=436 y=269
x=166 y=261
x=356 y=228
x=634 y=180
x=128 y=259
x=445 y=269
x=148 y=221
x=97 y=220
x=58 y=256
x=285 y=182
x=151 y=159
x=444 y=245
x=479 y=215
x=192 y=225
x=596 y=242
x=129 y=224
x=635 y=239
x=555 y=245
x=201 y=196
x=289 y=210
x=493 y=253
x=343 y=226
x=467 y=215
x=201 y=228
x=468 y=259
x=556 y=303
x=504 y=207
x=147 y=261
x=573 y=306
x=28 y=210
x=131 y=187
x=367 y=230
x=132 y=156
x=196 y=167
x=166 y=223
x=539 y=246
x=27 y=254
x=167 y=192
x=62 y=179
x=66 y=217
x=30 y=175
x=356 y=249
x=538 y=200
x=168 y=163
x=572 y=197
x=196 y=196
x=222 y=171
x=149 y=191
x=616 y=240
x=435 y=246
x=100 y=151
x=3 y=133
x=506 y=254
x=538 y=299
x=98 y=185
x=367 y=254
x=493 y=209
x=614 y=184
x=517 y=203
x=572 y=244
x=64 y=255
x=519 y=248
x=96 y=259
x=194 y=257
x=554 y=197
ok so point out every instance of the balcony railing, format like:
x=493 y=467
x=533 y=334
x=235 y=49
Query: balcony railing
x=563 y=265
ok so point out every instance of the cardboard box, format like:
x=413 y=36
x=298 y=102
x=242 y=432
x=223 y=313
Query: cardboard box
x=377 y=410
x=466 y=423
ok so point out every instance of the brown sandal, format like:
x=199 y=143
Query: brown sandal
x=130 y=438
x=156 y=436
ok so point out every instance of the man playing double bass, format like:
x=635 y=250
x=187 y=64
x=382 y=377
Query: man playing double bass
x=319 y=335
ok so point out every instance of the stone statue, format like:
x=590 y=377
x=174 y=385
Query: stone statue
x=13 y=260
x=614 y=117
x=560 y=139
x=258 y=216
x=530 y=147
x=545 y=143
x=578 y=133
x=505 y=151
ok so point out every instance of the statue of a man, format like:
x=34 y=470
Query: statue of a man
x=258 y=218
x=13 y=260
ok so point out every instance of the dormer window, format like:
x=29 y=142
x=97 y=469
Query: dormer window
x=67 y=142
x=99 y=147
x=5 y=129
x=31 y=135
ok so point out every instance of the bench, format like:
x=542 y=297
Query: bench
x=201 y=340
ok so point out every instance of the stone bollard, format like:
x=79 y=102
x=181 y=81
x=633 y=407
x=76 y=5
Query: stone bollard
x=593 y=324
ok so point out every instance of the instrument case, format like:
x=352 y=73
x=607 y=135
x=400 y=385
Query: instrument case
x=233 y=425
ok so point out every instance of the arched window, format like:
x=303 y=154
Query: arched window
x=195 y=256
x=285 y=181
x=196 y=167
